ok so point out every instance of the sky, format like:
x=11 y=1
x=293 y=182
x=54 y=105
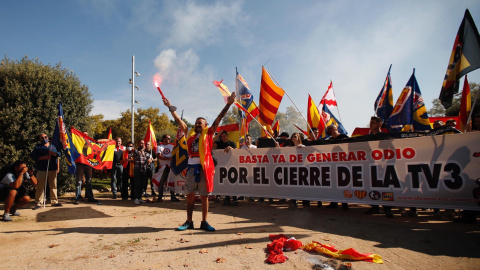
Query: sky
x=303 y=44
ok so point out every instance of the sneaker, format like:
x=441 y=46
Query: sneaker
x=114 y=196
x=57 y=205
x=205 y=226
x=6 y=217
x=93 y=200
x=36 y=207
x=77 y=202
x=136 y=202
x=186 y=226
x=175 y=199
x=15 y=214
x=141 y=201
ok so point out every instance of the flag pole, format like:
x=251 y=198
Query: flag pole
x=309 y=127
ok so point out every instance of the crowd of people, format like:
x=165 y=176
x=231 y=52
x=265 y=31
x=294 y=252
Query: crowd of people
x=133 y=168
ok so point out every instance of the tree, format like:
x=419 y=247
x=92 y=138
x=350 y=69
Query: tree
x=122 y=127
x=30 y=94
x=454 y=110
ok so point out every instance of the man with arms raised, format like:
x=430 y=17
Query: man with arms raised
x=200 y=162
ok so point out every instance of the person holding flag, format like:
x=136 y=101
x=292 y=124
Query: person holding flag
x=117 y=168
x=48 y=165
x=200 y=163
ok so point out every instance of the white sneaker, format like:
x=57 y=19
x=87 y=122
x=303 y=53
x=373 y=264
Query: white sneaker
x=136 y=202
x=6 y=217
x=141 y=201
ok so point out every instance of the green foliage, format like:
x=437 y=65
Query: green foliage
x=30 y=94
x=454 y=110
x=122 y=127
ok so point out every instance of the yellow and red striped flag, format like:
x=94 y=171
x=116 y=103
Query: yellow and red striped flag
x=345 y=254
x=465 y=106
x=270 y=97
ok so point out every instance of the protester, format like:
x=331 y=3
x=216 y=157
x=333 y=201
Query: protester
x=12 y=188
x=313 y=134
x=200 y=162
x=128 y=179
x=117 y=168
x=142 y=160
x=296 y=141
x=335 y=137
x=248 y=143
x=47 y=165
x=84 y=171
x=226 y=145
x=377 y=134
x=438 y=124
x=150 y=170
x=451 y=123
x=164 y=156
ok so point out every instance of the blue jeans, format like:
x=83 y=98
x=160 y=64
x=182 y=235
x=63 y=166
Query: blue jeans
x=84 y=170
x=117 y=172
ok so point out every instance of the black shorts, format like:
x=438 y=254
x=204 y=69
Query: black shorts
x=21 y=192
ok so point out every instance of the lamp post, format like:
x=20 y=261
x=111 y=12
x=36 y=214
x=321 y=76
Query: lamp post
x=132 y=82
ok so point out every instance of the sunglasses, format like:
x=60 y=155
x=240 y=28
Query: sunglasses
x=44 y=137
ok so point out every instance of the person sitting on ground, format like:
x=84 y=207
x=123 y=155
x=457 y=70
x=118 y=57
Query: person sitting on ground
x=12 y=190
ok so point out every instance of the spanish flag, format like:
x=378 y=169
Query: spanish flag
x=233 y=133
x=313 y=116
x=150 y=137
x=270 y=98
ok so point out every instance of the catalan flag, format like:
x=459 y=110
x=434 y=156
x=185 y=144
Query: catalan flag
x=270 y=98
x=384 y=102
x=465 y=106
x=465 y=57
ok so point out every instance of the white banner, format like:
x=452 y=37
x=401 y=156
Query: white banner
x=435 y=171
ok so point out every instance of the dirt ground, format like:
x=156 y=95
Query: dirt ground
x=119 y=235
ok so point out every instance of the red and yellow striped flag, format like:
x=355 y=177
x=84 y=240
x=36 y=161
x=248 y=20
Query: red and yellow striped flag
x=345 y=254
x=270 y=97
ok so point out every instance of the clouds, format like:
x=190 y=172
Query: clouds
x=110 y=109
x=201 y=24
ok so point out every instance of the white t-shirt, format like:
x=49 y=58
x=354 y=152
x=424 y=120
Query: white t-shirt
x=165 y=151
x=252 y=146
